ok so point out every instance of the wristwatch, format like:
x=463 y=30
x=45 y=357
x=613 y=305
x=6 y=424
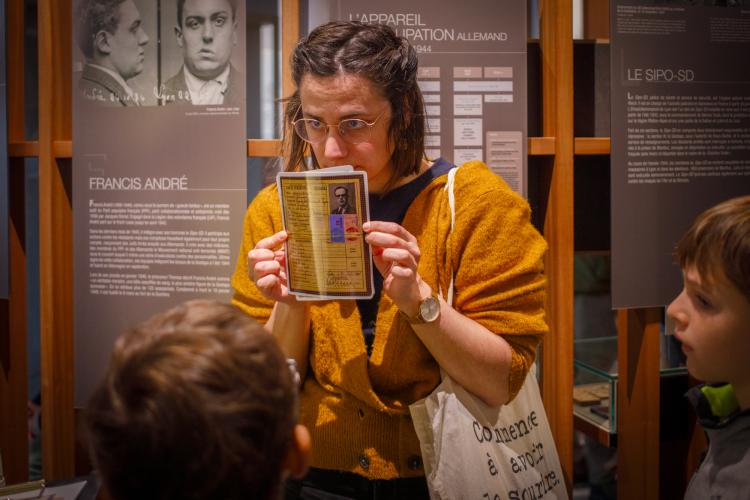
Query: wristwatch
x=428 y=311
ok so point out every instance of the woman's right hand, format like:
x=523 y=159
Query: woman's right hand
x=266 y=264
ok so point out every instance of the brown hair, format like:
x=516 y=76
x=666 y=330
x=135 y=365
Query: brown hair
x=197 y=402
x=375 y=52
x=92 y=17
x=719 y=239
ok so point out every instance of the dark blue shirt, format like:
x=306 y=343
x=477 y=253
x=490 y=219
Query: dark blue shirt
x=392 y=207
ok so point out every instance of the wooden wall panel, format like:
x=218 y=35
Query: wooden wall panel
x=55 y=240
x=290 y=33
x=13 y=328
x=638 y=403
x=269 y=148
x=595 y=19
x=289 y=36
x=14 y=371
x=557 y=121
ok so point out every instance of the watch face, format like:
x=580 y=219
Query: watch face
x=429 y=309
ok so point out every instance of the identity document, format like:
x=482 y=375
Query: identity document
x=323 y=212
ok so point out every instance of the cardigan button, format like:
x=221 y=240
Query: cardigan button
x=415 y=462
x=364 y=462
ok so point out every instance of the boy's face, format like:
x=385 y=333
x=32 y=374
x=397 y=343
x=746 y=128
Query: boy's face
x=712 y=320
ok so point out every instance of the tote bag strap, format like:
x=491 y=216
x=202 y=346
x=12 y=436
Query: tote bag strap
x=449 y=187
x=452 y=204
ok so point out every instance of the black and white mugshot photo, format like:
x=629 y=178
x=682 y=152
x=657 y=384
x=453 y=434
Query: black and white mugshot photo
x=114 y=54
x=123 y=57
x=203 y=52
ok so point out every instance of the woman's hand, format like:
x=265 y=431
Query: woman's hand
x=396 y=255
x=266 y=264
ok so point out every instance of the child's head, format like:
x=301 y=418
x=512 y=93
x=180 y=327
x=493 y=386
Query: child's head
x=197 y=402
x=712 y=313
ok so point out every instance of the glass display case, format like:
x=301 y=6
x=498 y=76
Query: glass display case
x=595 y=378
x=595 y=381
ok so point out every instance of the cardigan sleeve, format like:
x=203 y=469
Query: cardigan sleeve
x=497 y=257
x=262 y=219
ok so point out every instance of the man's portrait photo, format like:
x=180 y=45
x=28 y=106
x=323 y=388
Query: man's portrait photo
x=113 y=52
x=342 y=204
x=206 y=33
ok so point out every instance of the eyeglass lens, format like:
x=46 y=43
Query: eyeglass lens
x=353 y=130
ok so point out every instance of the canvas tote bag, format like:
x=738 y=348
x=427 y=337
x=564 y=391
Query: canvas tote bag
x=473 y=451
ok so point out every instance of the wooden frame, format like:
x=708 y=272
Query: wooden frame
x=556 y=25
x=56 y=240
x=638 y=403
x=13 y=356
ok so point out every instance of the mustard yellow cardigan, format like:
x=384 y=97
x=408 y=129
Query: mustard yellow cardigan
x=357 y=409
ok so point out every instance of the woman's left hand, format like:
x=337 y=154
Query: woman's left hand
x=396 y=255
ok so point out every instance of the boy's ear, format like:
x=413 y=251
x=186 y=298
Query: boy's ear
x=297 y=458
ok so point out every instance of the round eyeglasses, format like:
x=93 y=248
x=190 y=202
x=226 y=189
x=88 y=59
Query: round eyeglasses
x=351 y=130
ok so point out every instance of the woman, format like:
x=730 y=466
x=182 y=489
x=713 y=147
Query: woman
x=357 y=102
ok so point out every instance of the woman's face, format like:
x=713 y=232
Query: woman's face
x=331 y=99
